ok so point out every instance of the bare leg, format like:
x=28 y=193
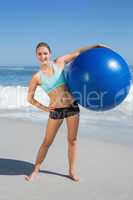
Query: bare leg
x=72 y=124
x=51 y=130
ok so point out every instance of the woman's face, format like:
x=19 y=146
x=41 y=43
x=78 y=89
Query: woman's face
x=43 y=55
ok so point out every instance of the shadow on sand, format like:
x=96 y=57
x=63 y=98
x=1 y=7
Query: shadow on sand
x=17 y=167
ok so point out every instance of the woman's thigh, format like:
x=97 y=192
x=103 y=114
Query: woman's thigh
x=72 y=125
x=52 y=127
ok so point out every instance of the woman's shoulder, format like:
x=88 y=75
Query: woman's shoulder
x=59 y=63
x=36 y=74
x=36 y=77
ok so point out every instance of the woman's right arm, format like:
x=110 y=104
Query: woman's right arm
x=31 y=92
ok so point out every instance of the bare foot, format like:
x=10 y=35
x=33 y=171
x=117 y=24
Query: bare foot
x=74 y=177
x=32 y=176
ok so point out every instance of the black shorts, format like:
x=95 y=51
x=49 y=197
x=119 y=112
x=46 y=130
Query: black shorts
x=61 y=113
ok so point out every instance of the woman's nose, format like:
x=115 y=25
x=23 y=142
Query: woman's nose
x=42 y=56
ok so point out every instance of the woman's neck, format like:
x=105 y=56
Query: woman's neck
x=46 y=66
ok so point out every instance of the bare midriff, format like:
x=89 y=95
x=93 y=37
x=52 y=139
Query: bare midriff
x=60 y=97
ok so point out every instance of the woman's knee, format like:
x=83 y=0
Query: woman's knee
x=46 y=144
x=72 y=141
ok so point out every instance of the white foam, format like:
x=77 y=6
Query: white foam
x=127 y=105
x=15 y=97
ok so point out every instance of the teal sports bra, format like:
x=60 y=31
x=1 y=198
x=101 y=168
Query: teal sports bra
x=49 y=83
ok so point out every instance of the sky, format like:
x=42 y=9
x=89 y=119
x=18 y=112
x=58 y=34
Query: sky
x=65 y=26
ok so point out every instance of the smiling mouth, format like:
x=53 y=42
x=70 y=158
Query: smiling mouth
x=43 y=60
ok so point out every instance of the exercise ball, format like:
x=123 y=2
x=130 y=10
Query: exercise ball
x=99 y=79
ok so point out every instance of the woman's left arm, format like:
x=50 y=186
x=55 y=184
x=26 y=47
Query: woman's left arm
x=62 y=60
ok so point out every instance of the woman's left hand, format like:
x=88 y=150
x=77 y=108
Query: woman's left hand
x=102 y=45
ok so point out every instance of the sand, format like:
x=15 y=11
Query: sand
x=105 y=168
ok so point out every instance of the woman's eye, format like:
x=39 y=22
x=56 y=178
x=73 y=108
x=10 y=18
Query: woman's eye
x=43 y=54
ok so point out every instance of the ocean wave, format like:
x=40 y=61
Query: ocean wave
x=23 y=68
x=13 y=102
x=16 y=97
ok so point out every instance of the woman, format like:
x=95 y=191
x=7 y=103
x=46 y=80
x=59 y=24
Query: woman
x=62 y=104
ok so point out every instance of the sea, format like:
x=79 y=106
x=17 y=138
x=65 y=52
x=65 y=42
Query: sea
x=115 y=125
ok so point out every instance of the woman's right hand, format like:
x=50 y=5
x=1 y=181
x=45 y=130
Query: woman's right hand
x=49 y=108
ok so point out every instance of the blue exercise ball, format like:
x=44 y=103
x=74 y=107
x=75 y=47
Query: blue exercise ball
x=99 y=79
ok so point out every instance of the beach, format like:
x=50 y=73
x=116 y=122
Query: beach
x=83 y=47
x=104 y=153
x=104 y=167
